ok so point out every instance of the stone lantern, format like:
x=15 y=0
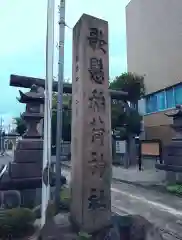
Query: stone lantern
x=173 y=152
x=24 y=174
x=28 y=156
x=29 y=152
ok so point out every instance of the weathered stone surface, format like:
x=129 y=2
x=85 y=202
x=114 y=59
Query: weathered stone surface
x=174 y=160
x=142 y=229
x=34 y=144
x=28 y=156
x=129 y=227
x=172 y=153
x=58 y=228
x=91 y=126
x=10 y=199
x=173 y=149
x=29 y=151
x=122 y=224
x=28 y=198
x=25 y=170
x=133 y=227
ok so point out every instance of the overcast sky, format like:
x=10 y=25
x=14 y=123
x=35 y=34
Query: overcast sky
x=23 y=38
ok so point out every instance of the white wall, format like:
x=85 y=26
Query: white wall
x=154 y=41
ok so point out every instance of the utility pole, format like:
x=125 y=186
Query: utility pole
x=48 y=109
x=60 y=100
x=1 y=130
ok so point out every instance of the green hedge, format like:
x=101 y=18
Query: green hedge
x=176 y=189
x=16 y=222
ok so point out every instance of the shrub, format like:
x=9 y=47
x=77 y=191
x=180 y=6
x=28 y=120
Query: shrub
x=176 y=189
x=64 y=203
x=65 y=194
x=16 y=222
x=84 y=236
x=65 y=198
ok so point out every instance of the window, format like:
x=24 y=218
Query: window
x=178 y=94
x=151 y=103
x=148 y=105
x=170 y=103
x=161 y=102
x=164 y=99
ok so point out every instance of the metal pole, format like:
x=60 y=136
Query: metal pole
x=48 y=107
x=1 y=135
x=60 y=101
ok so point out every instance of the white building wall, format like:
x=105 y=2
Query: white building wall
x=154 y=41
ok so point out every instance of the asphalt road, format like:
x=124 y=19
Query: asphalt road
x=164 y=210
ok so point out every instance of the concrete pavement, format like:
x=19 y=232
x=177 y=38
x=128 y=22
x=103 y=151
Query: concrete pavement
x=5 y=159
x=146 y=178
x=162 y=209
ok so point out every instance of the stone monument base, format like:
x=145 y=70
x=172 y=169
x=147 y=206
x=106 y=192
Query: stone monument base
x=77 y=228
x=122 y=227
x=25 y=170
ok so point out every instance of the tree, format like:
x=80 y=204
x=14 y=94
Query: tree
x=133 y=84
x=20 y=125
x=66 y=130
x=128 y=121
x=133 y=122
x=126 y=118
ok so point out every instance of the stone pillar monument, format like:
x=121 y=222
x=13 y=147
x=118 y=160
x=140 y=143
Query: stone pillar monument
x=91 y=126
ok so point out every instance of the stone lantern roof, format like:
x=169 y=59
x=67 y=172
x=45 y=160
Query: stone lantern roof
x=32 y=96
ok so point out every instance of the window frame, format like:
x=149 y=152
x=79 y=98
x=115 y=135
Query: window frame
x=147 y=99
x=173 y=96
x=177 y=87
x=158 y=100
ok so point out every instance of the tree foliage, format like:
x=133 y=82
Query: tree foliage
x=131 y=83
x=20 y=125
x=117 y=114
x=128 y=120
x=66 y=130
x=133 y=122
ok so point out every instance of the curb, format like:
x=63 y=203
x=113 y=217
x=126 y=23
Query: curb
x=148 y=187
x=152 y=187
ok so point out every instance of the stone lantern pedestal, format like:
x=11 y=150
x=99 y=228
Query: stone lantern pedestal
x=173 y=152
